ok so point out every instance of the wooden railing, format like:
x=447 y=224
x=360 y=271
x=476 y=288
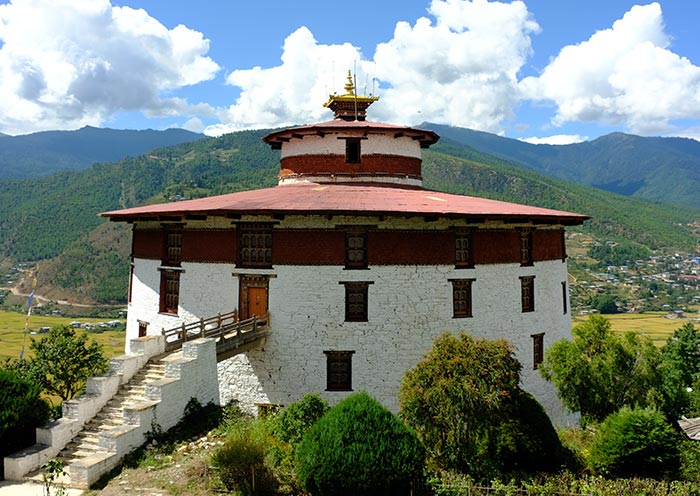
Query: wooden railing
x=225 y=328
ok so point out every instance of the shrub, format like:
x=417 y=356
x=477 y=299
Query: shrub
x=635 y=442
x=358 y=447
x=21 y=411
x=293 y=422
x=241 y=459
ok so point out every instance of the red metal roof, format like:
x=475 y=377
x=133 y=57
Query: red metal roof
x=349 y=199
x=276 y=138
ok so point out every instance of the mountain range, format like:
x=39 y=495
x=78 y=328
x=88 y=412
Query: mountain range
x=40 y=154
x=658 y=169
x=55 y=218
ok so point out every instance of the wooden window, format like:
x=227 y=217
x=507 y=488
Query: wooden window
x=338 y=370
x=355 y=250
x=143 y=328
x=131 y=282
x=169 y=291
x=462 y=297
x=356 y=301
x=537 y=350
x=173 y=246
x=255 y=245
x=464 y=257
x=564 y=294
x=352 y=150
x=527 y=293
x=526 y=247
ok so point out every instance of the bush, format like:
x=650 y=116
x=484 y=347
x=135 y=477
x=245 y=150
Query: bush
x=293 y=422
x=635 y=442
x=241 y=460
x=526 y=441
x=358 y=447
x=21 y=411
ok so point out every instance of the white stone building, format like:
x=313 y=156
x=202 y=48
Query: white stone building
x=359 y=267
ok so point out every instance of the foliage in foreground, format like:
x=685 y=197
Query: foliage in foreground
x=635 y=443
x=600 y=371
x=21 y=411
x=464 y=401
x=358 y=447
x=680 y=370
x=64 y=361
x=564 y=484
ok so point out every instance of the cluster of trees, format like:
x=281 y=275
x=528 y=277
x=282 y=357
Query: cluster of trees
x=62 y=361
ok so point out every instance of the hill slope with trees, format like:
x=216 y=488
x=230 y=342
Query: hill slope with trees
x=652 y=168
x=40 y=154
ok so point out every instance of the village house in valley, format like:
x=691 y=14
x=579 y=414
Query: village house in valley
x=357 y=265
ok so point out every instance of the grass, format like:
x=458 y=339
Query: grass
x=12 y=334
x=650 y=324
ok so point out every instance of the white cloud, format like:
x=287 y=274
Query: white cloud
x=557 y=139
x=68 y=63
x=293 y=92
x=625 y=75
x=460 y=70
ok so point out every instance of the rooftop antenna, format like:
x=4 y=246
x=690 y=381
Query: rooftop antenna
x=374 y=78
x=355 y=88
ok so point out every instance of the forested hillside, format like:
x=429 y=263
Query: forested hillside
x=44 y=153
x=657 y=169
x=57 y=216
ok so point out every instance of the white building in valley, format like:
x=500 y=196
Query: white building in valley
x=359 y=266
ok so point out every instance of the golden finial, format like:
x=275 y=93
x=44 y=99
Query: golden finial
x=349 y=87
x=349 y=106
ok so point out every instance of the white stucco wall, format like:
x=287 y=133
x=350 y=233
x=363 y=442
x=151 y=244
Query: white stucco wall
x=205 y=290
x=408 y=308
x=380 y=144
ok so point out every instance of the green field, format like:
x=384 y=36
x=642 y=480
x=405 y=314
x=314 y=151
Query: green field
x=12 y=334
x=651 y=324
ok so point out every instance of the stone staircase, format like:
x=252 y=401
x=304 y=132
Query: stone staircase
x=87 y=442
x=142 y=389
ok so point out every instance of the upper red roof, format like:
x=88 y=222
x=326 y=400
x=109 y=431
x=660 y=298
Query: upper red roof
x=276 y=138
x=350 y=199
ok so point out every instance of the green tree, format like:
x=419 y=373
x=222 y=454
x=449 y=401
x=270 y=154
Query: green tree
x=292 y=423
x=464 y=401
x=600 y=371
x=635 y=443
x=680 y=370
x=358 y=447
x=22 y=410
x=64 y=360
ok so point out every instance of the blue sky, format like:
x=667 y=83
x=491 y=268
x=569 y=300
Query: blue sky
x=544 y=70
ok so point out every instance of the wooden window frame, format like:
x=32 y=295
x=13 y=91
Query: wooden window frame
x=355 y=255
x=172 y=251
x=353 y=150
x=537 y=350
x=356 y=301
x=338 y=370
x=526 y=258
x=169 y=291
x=462 y=298
x=255 y=245
x=143 y=328
x=564 y=295
x=464 y=249
x=527 y=293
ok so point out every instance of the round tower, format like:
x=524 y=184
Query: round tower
x=350 y=148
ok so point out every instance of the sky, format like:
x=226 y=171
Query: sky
x=544 y=71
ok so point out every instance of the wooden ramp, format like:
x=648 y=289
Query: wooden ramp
x=233 y=336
